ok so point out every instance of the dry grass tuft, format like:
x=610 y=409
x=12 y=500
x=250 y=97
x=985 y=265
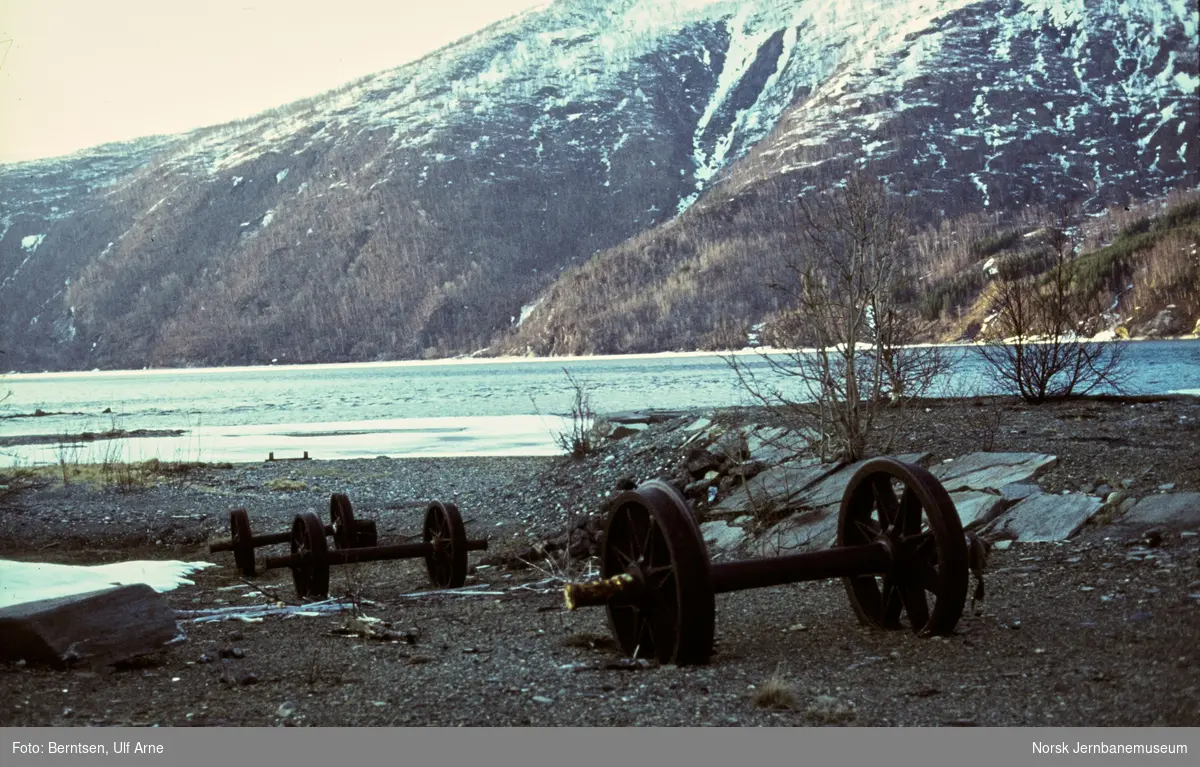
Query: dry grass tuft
x=776 y=693
x=287 y=485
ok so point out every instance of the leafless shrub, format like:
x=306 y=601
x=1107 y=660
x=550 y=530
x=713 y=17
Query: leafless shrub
x=845 y=278
x=578 y=439
x=1031 y=344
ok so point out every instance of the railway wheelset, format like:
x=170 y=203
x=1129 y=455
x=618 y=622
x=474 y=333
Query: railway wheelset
x=904 y=560
x=444 y=546
x=900 y=551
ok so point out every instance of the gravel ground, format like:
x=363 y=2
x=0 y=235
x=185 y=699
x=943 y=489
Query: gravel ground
x=1085 y=632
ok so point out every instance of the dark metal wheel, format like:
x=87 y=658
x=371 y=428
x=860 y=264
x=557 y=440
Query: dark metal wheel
x=243 y=546
x=310 y=574
x=923 y=531
x=341 y=518
x=652 y=536
x=444 y=529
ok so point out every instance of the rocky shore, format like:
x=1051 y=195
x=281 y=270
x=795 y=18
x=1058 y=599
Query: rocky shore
x=1091 y=510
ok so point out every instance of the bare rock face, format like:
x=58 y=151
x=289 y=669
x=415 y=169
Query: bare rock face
x=94 y=628
x=1168 y=322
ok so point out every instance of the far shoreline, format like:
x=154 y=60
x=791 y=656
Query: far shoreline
x=467 y=360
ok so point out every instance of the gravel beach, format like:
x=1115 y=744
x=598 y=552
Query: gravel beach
x=1095 y=630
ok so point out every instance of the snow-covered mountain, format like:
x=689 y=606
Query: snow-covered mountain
x=427 y=210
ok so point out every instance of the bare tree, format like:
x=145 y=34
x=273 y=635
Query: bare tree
x=1031 y=345
x=847 y=332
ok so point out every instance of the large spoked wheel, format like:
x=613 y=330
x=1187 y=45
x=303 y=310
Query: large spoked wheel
x=341 y=518
x=243 y=547
x=310 y=574
x=652 y=536
x=444 y=530
x=928 y=579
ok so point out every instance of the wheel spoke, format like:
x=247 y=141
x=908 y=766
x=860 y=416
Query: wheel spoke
x=647 y=555
x=869 y=528
x=891 y=605
x=885 y=501
x=910 y=513
x=645 y=632
x=916 y=546
x=656 y=577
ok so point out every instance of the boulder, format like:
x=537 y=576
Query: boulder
x=622 y=430
x=1045 y=517
x=992 y=471
x=91 y=628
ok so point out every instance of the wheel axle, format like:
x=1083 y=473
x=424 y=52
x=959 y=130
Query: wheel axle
x=346 y=531
x=658 y=584
x=444 y=548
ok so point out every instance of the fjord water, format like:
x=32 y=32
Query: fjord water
x=431 y=409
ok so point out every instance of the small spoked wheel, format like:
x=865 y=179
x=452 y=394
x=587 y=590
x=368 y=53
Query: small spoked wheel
x=652 y=536
x=341 y=518
x=928 y=579
x=243 y=546
x=447 y=564
x=310 y=574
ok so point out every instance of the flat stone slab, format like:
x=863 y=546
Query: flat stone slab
x=774 y=445
x=992 y=471
x=976 y=508
x=798 y=485
x=809 y=530
x=778 y=486
x=1019 y=491
x=91 y=628
x=1170 y=511
x=1046 y=517
x=721 y=536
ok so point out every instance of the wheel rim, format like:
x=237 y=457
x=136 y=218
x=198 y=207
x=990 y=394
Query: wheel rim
x=447 y=564
x=243 y=546
x=927 y=582
x=311 y=573
x=652 y=536
x=341 y=518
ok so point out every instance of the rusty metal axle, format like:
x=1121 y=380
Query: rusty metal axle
x=444 y=548
x=869 y=559
x=368 y=554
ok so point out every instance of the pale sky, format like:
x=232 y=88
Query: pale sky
x=78 y=73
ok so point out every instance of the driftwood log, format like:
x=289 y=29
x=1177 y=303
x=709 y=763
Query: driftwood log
x=94 y=628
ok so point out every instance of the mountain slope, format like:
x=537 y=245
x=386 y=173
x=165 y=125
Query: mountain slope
x=998 y=108
x=432 y=209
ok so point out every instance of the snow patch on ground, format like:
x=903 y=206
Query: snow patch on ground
x=30 y=243
x=22 y=582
